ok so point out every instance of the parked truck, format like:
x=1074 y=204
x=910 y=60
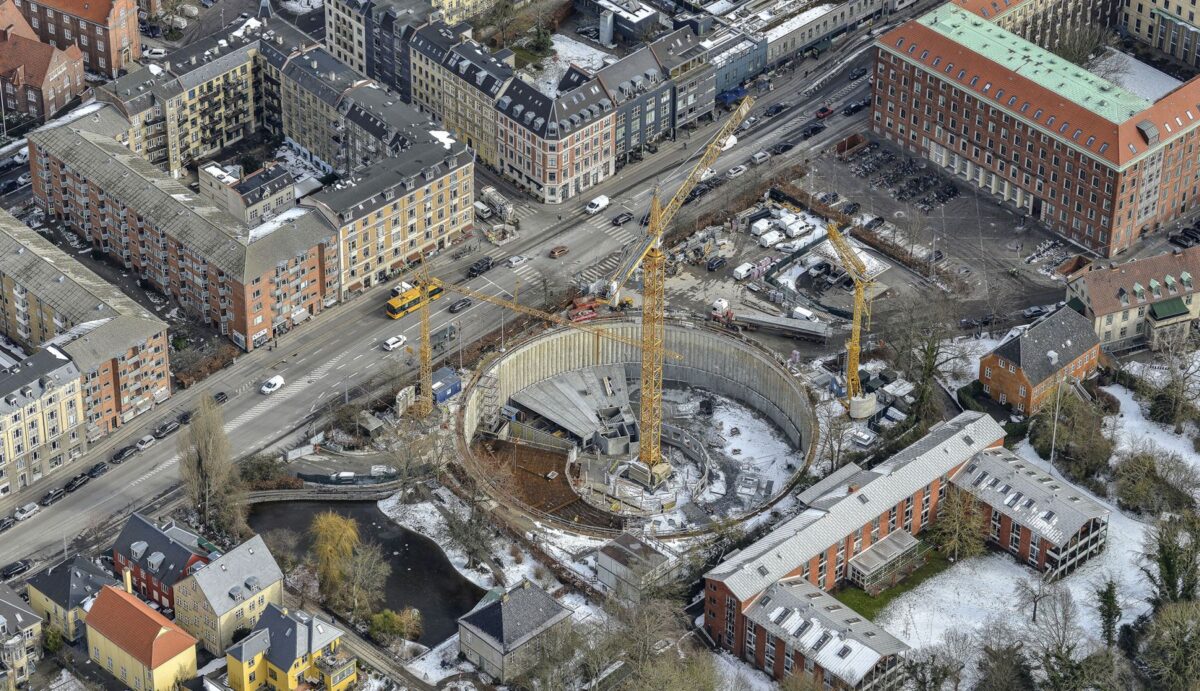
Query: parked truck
x=498 y=202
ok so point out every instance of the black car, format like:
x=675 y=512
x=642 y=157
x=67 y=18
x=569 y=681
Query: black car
x=460 y=305
x=875 y=223
x=852 y=208
x=777 y=109
x=645 y=220
x=220 y=397
x=1183 y=241
x=7 y=522
x=651 y=147
x=185 y=417
x=781 y=148
x=52 y=496
x=78 y=481
x=715 y=263
x=124 y=454
x=481 y=267
x=622 y=218
x=15 y=569
x=165 y=429
x=852 y=108
x=858 y=73
x=812 y=130
x=98 y=470
x=9 y=186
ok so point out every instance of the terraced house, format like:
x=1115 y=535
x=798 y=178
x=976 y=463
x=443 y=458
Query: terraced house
x=1100 y=163
x=119 y=348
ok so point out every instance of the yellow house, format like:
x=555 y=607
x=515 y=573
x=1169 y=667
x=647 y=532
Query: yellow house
x=137 y=645
x=287 y=651
x=20 y=640
x=228 y=594
x=61 y=593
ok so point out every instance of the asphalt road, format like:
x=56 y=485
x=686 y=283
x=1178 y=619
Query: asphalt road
x=341 y=347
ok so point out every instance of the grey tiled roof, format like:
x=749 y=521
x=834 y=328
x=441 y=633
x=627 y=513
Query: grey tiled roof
x=237 y=575
x=475 y=66
x=1031 y=497
x=1066 y=333
x=140 y=90
x=262 y=183
x=32 y=378
x=632 y=75
x=71 y=583
x=677 y=47
x=554 y=118
x=434 y=41
x=634 y=552
x=107 y=321
x=150 y=540
x=515 y=617
x=285 y=637
x=14 y=610
x=208 y=231
x=322 y=75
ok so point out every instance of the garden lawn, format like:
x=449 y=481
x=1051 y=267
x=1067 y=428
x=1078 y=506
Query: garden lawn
x=858 y=600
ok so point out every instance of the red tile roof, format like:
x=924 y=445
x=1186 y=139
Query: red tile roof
x=94 y=11
x=12 y=19
x=133 y=627
x=988 y=9
x=1171 y=115
x=36 y=57
x=1104 y=285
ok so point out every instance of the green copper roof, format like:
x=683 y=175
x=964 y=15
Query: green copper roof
x=1168 y=309
x=1072 y=82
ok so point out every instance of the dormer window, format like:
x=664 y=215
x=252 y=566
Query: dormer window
x=1123 y=296
x=1170 y=282
x=1155 y=288
x=1186 y=278
x=1139 y=292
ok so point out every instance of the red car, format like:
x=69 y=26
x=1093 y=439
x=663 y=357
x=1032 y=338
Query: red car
x=824 y=112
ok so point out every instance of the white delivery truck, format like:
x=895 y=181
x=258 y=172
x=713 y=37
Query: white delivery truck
x=762 y=225
x=483 y=211
x=771 y=239
x=743 y=271
x=597 y=205
x=802 y=313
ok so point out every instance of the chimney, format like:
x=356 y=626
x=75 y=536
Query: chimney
x=852 y=488
x=127 y=576
x=1053 y=357
x=4 y=32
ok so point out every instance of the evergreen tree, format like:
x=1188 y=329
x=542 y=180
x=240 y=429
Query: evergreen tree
x=1109 y=609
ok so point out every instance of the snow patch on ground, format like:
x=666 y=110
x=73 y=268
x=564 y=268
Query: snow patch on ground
x=302 y=6
x=287 y=157
x=970 y=593
x=567 y=52
x=439 y=663
x=972 y=350
x=1131 y=427
x=214 y=666
x=736 y=674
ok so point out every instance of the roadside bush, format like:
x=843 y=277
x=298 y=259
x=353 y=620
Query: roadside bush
x=968 y=396
x=268 y=471
x=1150 y=481
x=1081 y=449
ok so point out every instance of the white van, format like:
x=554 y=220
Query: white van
x=760 y=157
x=802 y=313
x=483 y=211
x=743 y=271
x=190 y=10
x=762 y=225
x=771 y=239
x=597 y=205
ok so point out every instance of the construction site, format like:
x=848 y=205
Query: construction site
x=555 y=424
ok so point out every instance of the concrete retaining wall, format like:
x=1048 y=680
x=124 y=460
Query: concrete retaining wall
x=712 y=360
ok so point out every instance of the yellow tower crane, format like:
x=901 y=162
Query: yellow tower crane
x=653 y=264
x=859 y=404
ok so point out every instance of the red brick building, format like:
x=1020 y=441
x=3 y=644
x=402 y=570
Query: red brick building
x=157 y=558
x=1095 y=162
x=105 y=31
x=38 y=80
x=1024 y=370
x=855 y=523
x=1044 y=522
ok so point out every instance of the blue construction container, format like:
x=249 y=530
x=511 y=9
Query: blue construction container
x=445 y=385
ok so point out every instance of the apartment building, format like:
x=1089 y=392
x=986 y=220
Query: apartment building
x=556 y=148
x=642 y=94
x=428 y=48
x=21 y=642
x=1026 y=369
x=795 y=28
x=290 y=650
x=1145 y=301
x=1097 y=163
x=371 y=36
x=392 y=212
x=252 y=284
x=149 y=102
x=1044 y=21
x=684 y=59
x=41 y=424
x=472 y=82
x=311 y=87
x=855 y=525
x=228 y=594
x=1044 y=522
x=119 y=348
x=157 y=557
x=105 y=31
x=258 y=197
x=38 y=79
x=1171 y=27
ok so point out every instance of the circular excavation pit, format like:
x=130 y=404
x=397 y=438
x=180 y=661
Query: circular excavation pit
x=551 y=427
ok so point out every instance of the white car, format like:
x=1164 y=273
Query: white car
x=708 y=173
x=22 y=156
x=146 y=442
x=154 y=53
x=25 y=179
x=271 y=385
x=26 y=511
x=517 y=260
x=394 y=343
x=735 y=171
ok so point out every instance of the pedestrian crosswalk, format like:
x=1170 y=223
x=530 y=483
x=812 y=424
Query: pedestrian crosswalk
x=601 y=270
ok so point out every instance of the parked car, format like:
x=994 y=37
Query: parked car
x=781 y=148
x=480 y=267
x=98 y=470
x=823 y=112
x=52 y=496
x=185 y=417
x=715 y=263
x=145 y=442
x=812 y=130
x=1033 y=312
x=516 y=260
x=622 y=218
x=735 y=171
x=78 y=481
x=7 y=522
x=154 y=53
x=851 y=208
x=124 y=454
x=858 y=73
x=269 y=387
x=460 y=305
x=25 y=179
x=8 y=186
x=852 y=108
x=747 y=123
x=777 y=109
x=24 y=512
x=558 y=251
x=1182 y=240
x=395 y=342
x=706 y=174
x=15 y=569
x=875 y=223
x=165 y=429
x=220 y=397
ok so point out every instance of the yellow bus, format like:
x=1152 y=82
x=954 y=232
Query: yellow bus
x=408 y=298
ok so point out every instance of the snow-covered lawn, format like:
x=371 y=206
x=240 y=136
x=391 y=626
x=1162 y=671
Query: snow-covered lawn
x=1131 y=427
x=974 y=591
x=302 y=6
x=738 y=675
x=567 y=52
x=972 y=350
x=441 y=662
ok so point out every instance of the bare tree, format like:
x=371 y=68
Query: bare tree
x=1078 y=43
x=922 y=331
x=1030 y=593
x=362 y=590
x=284 y=544
x=209 y=476
x=834 y=423
x=1182 y=381
x=644 y=627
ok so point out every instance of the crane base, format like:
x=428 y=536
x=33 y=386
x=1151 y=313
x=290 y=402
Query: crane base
x=862 y=406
